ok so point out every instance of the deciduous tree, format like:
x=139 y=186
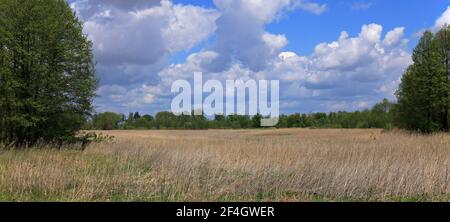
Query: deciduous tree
x=47 y=75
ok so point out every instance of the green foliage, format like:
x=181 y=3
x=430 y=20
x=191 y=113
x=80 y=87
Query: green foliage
x=92 y=137
x=47 y=75
x=135 y=121
x=83 y=139
x=165 y=120
x=107 y=121
x=168 y=120
x=142 y=123
x=380 y=116
x=256 y=121
x=423 y=96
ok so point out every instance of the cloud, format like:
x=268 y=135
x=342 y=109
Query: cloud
x=350 y=53
x=352 y=72
x=311 y=7
x=270 y=10
x=88 y=8
x=145 y=34
x=241 y=34
x=123 y=99
x=443 y=20
x=135 y=40
x=360 y=5
x=196 y=62
x=365 y=58
x=114 y=92
x=275 y=42
x=393 y=37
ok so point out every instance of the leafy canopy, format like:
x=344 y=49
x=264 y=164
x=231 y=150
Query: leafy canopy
x=47 y=74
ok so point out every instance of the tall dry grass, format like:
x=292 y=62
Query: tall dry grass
x=229 y=165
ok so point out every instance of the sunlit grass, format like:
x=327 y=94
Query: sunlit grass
x=235 y=165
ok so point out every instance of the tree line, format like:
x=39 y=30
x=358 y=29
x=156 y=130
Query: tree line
x=48 y=83
x=379 y=116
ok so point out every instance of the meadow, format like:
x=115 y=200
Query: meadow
x=235 y=165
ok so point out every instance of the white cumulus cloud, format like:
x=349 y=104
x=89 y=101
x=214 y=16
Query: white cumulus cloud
x=443 y=20
x=349 y=73
x=145 y=35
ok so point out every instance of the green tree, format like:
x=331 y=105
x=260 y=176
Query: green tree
x=199 y=121
x=294 y=121
x=47 y=75
x=442 y=41
x=165 y=120
x=142 y=123
x=136 y=115
x=149 y=119
x=381 y=115
x=107 y=121
x=130 y=121
x=423 y=95
x=219 y=121
x=256 y=121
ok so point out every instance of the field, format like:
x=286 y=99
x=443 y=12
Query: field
x=235 y=165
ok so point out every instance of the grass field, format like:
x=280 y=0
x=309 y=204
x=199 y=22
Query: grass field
x=235 y=165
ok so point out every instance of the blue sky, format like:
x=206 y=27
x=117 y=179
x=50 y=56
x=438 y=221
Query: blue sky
x=304 y=30
x=328 y=55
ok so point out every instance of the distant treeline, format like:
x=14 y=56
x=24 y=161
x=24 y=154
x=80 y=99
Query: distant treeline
x=379 y=116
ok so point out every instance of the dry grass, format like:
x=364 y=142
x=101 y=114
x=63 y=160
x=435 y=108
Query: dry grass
x=230 y=165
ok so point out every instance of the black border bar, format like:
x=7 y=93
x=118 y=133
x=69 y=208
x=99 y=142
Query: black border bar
x=236 y=211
